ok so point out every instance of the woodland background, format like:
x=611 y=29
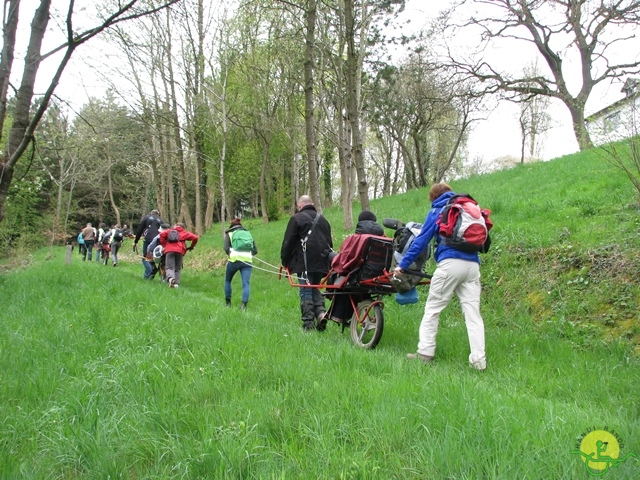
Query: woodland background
x=215 y=112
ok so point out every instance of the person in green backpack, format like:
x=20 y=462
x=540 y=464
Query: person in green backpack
x=240 y=247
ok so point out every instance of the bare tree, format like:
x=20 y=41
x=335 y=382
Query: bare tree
x=309 y=101
x=354 y=76
x=558 y=30
x=427 y=114
x=221 y=97
x=59 y=160
x=534 y=120
x=24 y=121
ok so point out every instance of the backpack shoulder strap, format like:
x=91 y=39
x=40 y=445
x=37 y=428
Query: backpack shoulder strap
x=311 y=228
x=304 y=241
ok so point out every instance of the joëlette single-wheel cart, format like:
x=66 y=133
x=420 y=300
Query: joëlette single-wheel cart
x=360 y=276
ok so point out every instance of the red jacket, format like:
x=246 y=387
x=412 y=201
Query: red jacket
x=180 y=246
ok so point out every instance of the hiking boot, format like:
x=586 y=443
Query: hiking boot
x=243 y=306
x=308 y=326
x=322 y=322
x=420 y=356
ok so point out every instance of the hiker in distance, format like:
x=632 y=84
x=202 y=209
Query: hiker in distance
x=155 y=253
x=456 y=272
x=304 y=252
x=82 y=249
x=89 y=235
x=105 y=246
x=174 y=245
x=240 y=246
x=148 y=229
x=98 y=244
x=116 y=238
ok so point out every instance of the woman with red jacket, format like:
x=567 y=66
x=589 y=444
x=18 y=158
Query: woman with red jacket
x=173 y=241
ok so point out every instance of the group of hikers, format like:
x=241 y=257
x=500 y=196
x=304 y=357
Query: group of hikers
x=163 y=246
x=307 y=252
x=106 y=241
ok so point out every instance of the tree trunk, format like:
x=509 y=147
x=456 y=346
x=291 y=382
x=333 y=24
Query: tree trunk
x=60 y=191
x=66 y=217
x=198 y=200
x=223 y=153
x=421 y=181
x=210 y=210
x=184 y=215
x=579 y=127
x=198 y=122
x=353 y=108
x=17 y=139
x=263 y=193
x=344 y=156
x=6 y=63
x=523 y=137
x=110 y=187
x=309 y=104
x=464 y=124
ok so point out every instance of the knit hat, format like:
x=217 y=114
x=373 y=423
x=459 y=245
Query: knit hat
x=234 y=222
x=367 y=215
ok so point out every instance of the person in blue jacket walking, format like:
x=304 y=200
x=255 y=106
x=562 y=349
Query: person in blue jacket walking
x=456 y=272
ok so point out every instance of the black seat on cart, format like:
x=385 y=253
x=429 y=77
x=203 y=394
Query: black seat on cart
x=378 y=254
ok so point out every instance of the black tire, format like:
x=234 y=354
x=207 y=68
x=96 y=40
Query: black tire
x=368 y=333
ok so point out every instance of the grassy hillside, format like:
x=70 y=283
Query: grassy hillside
x=104 y=375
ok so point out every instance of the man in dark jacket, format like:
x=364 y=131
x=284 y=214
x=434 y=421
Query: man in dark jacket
x=304 y=252
x=148 y=229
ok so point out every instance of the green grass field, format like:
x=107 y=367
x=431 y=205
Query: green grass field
x=104 y=375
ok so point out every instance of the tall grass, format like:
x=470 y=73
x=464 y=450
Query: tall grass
x=105 y=375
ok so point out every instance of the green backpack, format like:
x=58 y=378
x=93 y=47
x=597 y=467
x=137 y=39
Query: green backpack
x=241 y=241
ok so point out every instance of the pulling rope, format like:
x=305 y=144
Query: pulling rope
x=275 y=267
x=275 y=270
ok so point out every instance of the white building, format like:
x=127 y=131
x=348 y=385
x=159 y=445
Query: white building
x=619 y=120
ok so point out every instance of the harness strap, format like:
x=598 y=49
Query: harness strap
x=304 y=242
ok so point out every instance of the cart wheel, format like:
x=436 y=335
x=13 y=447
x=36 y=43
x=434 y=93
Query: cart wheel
x=367 y=332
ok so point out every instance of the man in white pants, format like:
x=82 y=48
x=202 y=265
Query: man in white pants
x=457 y=272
